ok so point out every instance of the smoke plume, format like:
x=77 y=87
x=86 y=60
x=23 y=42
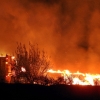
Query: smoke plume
x=68 y=30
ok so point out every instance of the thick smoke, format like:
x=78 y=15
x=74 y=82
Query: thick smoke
x=68 y=30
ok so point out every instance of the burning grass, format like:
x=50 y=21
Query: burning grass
x=77 y=78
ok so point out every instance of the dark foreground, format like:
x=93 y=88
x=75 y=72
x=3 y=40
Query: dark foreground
x=38 y=92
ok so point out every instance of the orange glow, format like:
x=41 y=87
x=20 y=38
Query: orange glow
x=6 y=62
x=69 y=34
x=13 y=57
x=8 y=77
x=6 y=58
x=52 y=71
x=23 y=69
x=78 y=78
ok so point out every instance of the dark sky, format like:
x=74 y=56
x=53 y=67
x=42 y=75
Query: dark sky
x=68 y=30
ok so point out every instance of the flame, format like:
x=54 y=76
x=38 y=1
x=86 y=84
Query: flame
x=12 y=57
x=23 y=69
x=52 y=71
x=78 y=78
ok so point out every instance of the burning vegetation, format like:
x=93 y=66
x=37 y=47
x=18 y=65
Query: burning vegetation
x=33 y=67
x=28 y=67
x=77 y=78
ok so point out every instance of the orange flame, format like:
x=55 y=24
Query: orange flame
x=78 y=78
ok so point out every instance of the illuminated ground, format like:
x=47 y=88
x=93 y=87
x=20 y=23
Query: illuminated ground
x=38 y=92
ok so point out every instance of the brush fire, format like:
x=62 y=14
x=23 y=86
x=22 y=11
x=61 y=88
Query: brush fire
x=77 y=78
x=65 y=76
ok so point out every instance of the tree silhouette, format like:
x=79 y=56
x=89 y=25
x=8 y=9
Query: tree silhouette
x=35 y=62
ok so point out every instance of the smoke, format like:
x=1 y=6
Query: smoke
x=68 y=30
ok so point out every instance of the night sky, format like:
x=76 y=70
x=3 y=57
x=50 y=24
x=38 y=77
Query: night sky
x=68 y=30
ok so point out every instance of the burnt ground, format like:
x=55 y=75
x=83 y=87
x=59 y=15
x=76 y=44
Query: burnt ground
x=54 y=92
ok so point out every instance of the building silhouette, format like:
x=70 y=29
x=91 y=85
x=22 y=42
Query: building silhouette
x=2 y=69
x=6 y=63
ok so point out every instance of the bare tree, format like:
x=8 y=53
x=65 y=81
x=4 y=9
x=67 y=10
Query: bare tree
x=35 y=62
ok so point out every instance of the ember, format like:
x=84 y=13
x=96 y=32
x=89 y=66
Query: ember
x=23 y=69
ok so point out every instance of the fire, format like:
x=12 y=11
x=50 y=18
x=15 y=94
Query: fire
x=23 y=69
x=12 y=57
x=78 y=78
x=52 y=71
